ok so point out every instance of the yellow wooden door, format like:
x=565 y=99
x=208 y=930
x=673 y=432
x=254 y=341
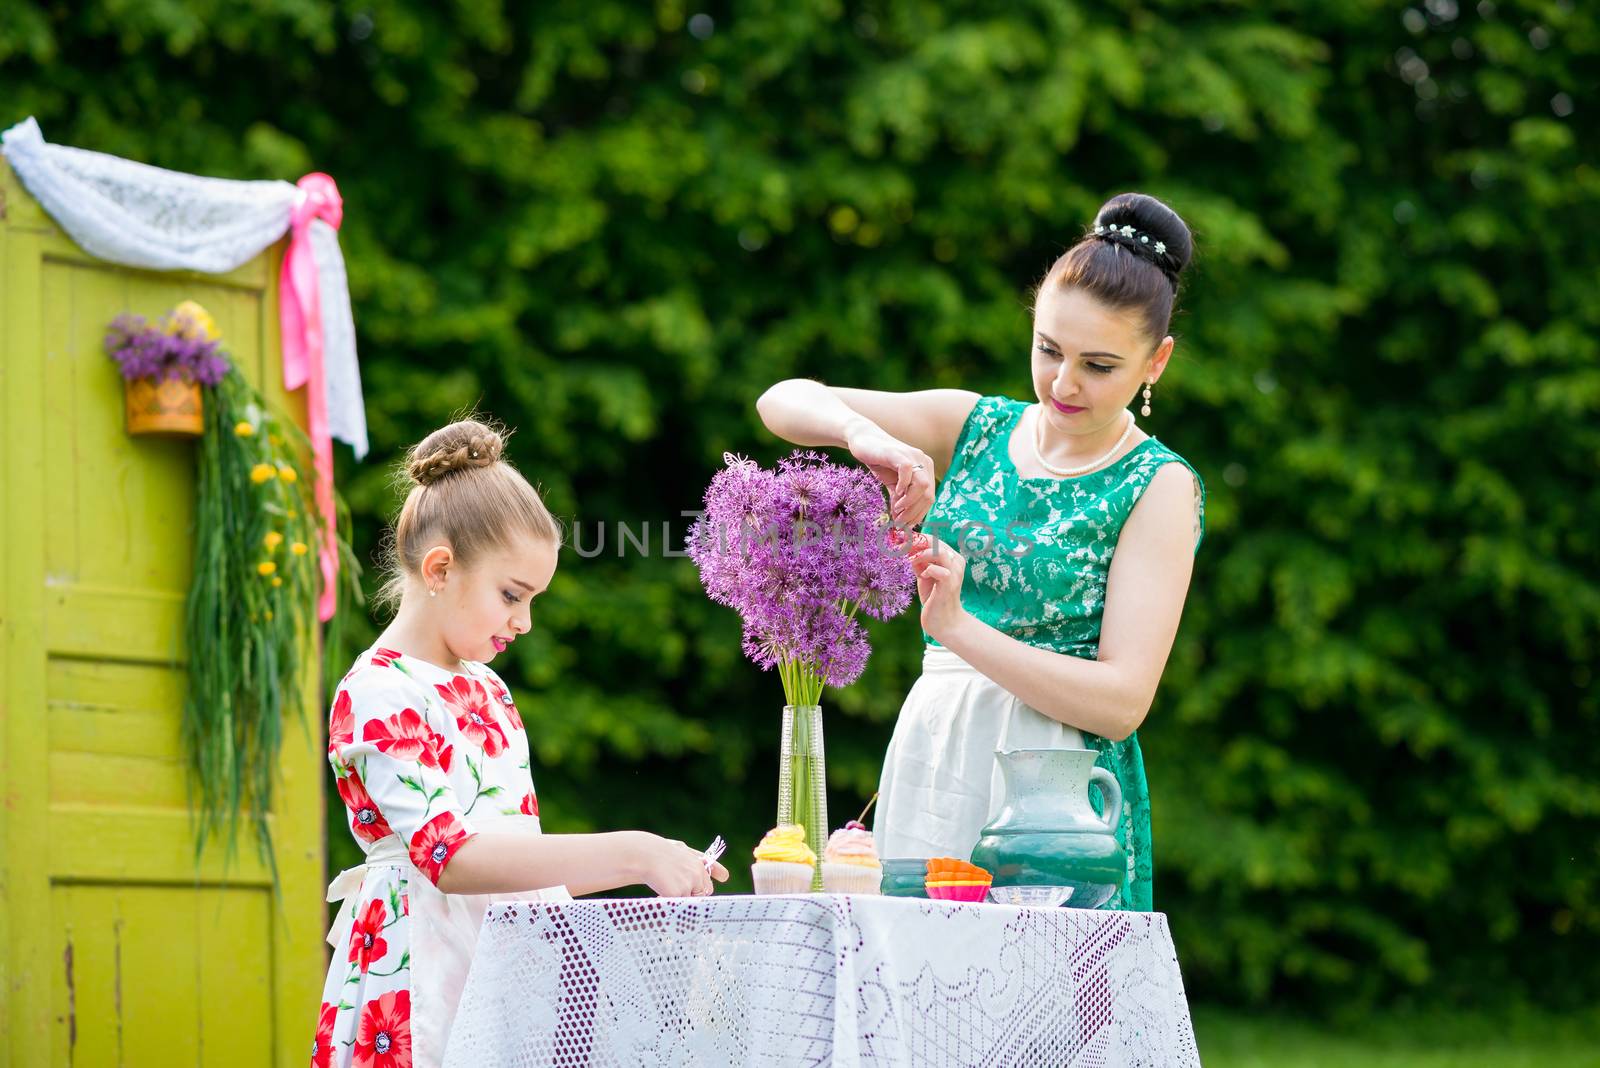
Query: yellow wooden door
x=116 y=948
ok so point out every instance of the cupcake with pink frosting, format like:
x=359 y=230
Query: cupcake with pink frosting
x=850 y=862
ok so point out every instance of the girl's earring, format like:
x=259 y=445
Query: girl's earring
x=432 y=592
x=1145 y=411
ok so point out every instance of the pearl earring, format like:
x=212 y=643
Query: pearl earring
x=1145 y=411
x=432 y=592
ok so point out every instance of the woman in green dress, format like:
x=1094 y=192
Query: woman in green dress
x=1064 y=542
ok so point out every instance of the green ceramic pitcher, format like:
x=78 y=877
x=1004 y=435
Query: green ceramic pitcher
x=1046 y=833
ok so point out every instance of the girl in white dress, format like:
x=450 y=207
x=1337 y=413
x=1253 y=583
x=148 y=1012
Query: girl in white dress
x=432 y=764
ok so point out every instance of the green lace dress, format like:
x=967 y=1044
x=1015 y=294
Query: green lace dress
x=1038 y=554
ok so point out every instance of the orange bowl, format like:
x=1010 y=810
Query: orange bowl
x=968 y=892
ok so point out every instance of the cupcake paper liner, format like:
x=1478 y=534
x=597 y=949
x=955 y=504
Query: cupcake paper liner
x=840 y=878
x=781 y=877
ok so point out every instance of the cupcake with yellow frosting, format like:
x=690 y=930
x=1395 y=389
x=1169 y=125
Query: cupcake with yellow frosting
x=784 y=863
x=850 y=862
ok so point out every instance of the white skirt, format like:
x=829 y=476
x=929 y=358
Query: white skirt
x=941 y=783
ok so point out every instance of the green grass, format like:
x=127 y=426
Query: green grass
x=1233 y=1039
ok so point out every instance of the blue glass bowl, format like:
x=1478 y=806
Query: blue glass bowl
x=905 y=877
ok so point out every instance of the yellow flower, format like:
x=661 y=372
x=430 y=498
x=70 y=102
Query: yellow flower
x=193 y=321
x=287 y=473
x=266 y=567
x=293 y=514
x=275 y=440
x=268 y=614
x=262 y=472
x=243 y=429
x=272 y=540
x=298 y=548
x=276 y=581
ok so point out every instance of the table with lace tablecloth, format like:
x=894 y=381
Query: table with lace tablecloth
x=819 y=979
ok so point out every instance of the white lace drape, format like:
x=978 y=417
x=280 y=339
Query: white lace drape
x=141 y=216
x=820 y=980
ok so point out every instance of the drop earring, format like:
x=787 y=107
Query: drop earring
x=1145 y=411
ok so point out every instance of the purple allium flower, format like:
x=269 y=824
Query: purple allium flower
x=144 y=351
x=798 y=552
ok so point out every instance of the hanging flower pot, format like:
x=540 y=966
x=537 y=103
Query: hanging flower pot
x=163 y=367
x=170 y=406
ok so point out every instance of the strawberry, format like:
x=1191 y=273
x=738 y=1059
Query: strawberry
x=911 y=543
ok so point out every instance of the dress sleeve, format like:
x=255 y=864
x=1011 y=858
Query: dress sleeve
x=393 y=761
x=974 y=431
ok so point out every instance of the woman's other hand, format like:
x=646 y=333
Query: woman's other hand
x=940 y=571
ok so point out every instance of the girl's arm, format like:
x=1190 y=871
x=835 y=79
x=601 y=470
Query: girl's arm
x=492 y=862
x=907 y=440
x=1145 y=591
x=394 y=781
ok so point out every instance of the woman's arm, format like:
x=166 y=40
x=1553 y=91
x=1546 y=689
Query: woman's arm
x=492 y=862
x=1145 y=591
x=907 y=440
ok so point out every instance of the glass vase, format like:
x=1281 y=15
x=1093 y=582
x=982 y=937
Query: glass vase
x=803 y=779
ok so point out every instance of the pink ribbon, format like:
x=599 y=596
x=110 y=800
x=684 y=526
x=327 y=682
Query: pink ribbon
x=300 y=315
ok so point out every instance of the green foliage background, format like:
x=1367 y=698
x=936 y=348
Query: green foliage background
x=613 y=224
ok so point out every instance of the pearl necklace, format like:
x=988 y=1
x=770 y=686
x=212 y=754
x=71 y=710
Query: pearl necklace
x=1068 y=472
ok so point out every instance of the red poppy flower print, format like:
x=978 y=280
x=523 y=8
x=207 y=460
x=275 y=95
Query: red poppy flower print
x=383 y=1038
x=469 y=701
x=530 y=804
x=366 y=936
x=406 y=736
x=365 y=819
x=341 y=724
x=384 y=657
x=322 y=1045
x=507 y=706
x=434 y=845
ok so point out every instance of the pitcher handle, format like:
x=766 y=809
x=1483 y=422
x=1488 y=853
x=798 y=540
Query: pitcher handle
x=1110 y=794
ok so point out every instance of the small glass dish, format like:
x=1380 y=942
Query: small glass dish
x=1044 y=897
x=903 y=877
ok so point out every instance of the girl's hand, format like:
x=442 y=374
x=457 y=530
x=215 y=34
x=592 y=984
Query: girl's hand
x=672 y=869
x=906 y=472
x=940 y=571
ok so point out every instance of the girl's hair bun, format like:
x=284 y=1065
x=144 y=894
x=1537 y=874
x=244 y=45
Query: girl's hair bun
x=464 y=494
x=461 y=446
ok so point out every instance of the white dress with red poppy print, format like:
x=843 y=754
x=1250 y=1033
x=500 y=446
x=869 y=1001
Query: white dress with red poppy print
x=424 y=759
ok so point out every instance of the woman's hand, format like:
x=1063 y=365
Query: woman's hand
x=672 y=869
x=940 y=571
x=907 y=472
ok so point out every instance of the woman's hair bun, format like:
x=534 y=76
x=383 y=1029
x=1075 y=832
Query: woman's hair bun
x=461 y=446
x=1150 y=217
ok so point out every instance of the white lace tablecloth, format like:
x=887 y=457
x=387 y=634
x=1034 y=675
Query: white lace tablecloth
x=819 y=979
